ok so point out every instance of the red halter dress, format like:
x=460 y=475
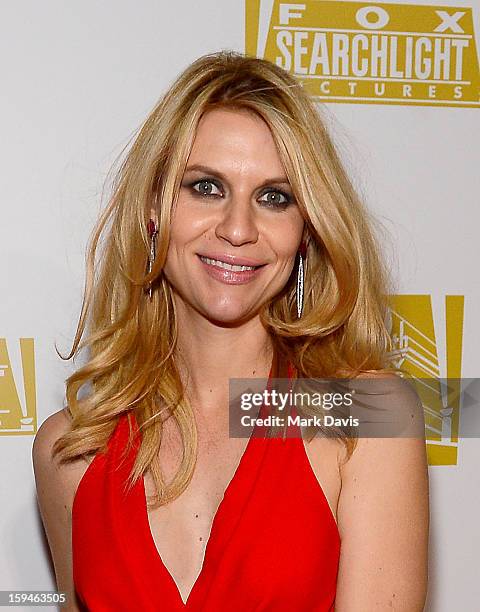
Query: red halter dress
x=274 y=544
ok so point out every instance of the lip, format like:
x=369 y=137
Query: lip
x=232 y=259
x=230 y=277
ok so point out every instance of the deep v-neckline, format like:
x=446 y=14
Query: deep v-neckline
x=234 y=482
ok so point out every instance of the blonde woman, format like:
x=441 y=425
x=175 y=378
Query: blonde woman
x=234 y=247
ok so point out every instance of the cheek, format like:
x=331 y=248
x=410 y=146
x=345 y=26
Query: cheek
x=185 y=227
x=287 y=236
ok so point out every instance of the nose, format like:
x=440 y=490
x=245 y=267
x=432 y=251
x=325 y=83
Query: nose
x=238 y=224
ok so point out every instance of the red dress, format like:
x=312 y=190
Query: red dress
x=274 y=544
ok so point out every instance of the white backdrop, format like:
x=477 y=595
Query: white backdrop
x=77 y=79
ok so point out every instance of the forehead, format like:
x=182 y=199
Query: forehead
x=234 y=136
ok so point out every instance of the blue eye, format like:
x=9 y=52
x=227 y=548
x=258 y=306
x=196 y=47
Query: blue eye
x=205 y=183
x=276 y=203
x=205 y=187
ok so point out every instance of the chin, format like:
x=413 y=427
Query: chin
x=229 y=314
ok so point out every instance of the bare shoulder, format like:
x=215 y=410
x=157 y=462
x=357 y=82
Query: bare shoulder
x=48 y=433
x=383 y=517
x=391 y=453
x=56 y=485
x=396 y=409
x=55 y=480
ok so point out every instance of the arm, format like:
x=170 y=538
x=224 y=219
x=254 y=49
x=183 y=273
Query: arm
x=383 y=518
x=54 y=486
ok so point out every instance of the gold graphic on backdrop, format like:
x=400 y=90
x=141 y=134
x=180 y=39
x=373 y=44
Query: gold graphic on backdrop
x=370 y=53
x=419 y=352
x=17 y=387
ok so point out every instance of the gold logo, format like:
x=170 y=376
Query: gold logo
x=370 y=53
x=428 y=346
x=17 y=387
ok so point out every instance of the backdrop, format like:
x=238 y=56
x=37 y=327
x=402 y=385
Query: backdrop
x=399 y=86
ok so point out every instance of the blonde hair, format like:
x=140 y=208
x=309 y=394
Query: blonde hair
x=131 y=340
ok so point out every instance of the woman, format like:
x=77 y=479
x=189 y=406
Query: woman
x=261 y=262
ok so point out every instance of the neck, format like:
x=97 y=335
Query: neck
x=208 y=355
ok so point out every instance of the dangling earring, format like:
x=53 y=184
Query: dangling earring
x=152 y=232
x=302 y=252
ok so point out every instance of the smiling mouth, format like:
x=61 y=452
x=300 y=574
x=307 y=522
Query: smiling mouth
x=226 y=266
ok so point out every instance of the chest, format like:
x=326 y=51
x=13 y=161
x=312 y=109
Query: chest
x=242 y=517
x=181 y=529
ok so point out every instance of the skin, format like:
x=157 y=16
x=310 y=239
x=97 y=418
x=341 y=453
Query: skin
x=239 y=217
x=384 y=546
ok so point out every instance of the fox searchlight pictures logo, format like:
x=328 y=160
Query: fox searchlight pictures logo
x=370 y=53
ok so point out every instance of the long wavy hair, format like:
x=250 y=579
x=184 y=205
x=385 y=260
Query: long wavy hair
x=131 y=339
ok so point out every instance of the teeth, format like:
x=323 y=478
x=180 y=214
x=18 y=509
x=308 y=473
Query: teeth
x=227 y=266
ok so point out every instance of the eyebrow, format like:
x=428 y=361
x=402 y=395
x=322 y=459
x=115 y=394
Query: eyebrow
x=281 y=180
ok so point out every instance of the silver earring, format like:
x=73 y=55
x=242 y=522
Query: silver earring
x=152 y=232
x=300 y=278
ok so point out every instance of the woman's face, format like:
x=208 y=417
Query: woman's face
x=235 y=207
